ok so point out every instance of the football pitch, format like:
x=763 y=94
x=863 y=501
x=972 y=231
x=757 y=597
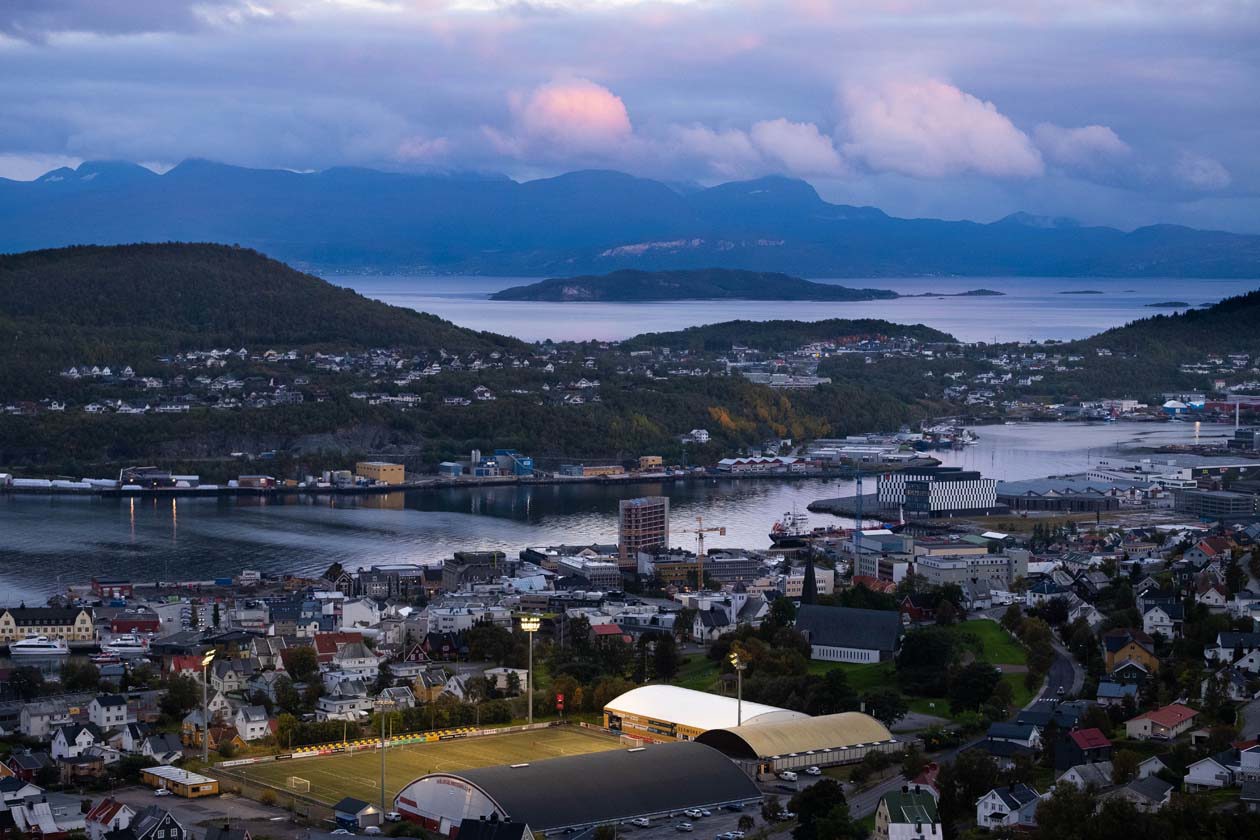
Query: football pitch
x=358 y=774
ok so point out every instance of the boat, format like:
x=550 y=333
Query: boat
x=105 y=658
x=39 y=646
x=127 y=644
x=790 y=531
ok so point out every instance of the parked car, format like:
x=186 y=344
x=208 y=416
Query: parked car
x=813 y=771
x=787 y=776
x=161 y=792
x=641 y=822
x=684 y=826
x=694 y=813
x=393 y=816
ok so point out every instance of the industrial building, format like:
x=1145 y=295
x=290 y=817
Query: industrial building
x=765 y=748
x=381 y=472
x=1000 y=571
x=1216 y=504
x=580 y=791
x=670 y=713
x=1067 y=494
x=643 y=525
x=180 y=782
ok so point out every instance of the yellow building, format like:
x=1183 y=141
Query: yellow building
x=180 y=782
x=650 y=462
x=72 y=624
x=381 y=471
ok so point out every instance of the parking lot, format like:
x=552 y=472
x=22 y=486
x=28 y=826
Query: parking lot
x=197 y=815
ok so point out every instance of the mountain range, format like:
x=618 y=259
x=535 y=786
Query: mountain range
x=351 y=220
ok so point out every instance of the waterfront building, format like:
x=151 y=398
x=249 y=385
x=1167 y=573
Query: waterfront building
x=381 y=472
x=643 y=526
x=70 y=623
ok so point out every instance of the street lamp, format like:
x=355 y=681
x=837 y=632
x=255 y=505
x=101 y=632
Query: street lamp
x=740 y=665
x=383 y=706
x=530 y=624
x=205 y=706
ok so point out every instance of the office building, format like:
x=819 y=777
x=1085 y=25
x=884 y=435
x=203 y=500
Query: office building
x=999 y=571
x=1216 y=504
x=643 y=526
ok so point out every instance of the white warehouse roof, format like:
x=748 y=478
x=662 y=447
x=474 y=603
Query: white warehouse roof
x=696 y=709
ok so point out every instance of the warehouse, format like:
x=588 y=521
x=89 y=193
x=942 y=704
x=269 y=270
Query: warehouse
x=579 y=791
x=670 y=713
x=180 y=782
x=766 y=748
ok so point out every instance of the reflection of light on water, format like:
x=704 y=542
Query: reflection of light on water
x=174 y=521
x=132 y=505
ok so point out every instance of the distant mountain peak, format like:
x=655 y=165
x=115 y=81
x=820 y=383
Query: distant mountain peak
x=1034 y=221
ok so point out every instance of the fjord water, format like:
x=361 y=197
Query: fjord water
x=47 y=542
x=1030 y=308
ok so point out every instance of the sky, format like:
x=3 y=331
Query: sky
x=1123 y=113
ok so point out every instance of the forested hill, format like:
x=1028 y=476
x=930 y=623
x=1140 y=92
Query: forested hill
x=1230 y=326
x=695 y=284
x=100 y=304
x=775 y=336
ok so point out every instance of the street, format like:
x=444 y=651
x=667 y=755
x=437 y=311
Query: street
x=196 y=815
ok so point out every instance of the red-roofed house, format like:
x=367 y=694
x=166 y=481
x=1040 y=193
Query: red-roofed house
x=926 y=780
x=606 y=633
x=327 y=644
x=1082 y=746
x=874 y=584
x=107 y=815
x=1163 y=724
x=187 y=666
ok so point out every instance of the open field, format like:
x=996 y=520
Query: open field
x=997 y=645
x=358 y=774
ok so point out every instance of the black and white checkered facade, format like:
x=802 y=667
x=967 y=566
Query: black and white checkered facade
x=959 y=489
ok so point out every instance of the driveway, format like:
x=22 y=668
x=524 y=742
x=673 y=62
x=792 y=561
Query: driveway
x=1249 y=720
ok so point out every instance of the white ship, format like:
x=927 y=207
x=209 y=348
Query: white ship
x=126 y=645
x=39 y=646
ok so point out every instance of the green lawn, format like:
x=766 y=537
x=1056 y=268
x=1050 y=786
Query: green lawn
x=862 y=678
x=698 y=673
x=357 y=774
x=997 y=646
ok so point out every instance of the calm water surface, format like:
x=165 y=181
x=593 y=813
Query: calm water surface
x=50 y=541
x=1031 y=308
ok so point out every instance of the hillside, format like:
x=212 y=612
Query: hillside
x=100 y=304
x=588 y=222
x=704 y=284
x=774 y=336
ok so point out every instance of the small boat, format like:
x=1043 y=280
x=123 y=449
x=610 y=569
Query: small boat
x=105 y=658
x=127 y=644
x=39 y=646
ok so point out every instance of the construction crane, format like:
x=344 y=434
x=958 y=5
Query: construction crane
x=700 y=531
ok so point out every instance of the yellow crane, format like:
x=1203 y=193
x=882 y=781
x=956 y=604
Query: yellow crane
x=700 y=531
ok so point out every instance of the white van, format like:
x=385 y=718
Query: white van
x=787 y=776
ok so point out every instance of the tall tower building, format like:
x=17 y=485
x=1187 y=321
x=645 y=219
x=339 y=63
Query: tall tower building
x=644 y=526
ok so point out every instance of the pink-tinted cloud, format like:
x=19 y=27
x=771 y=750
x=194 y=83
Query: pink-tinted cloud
x=1087 y=147
x=931 y=129
x=420 y=149
x=574 y=117
x=728 y=153
x=798 y=147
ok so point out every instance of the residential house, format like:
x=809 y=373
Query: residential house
x=226 y=832
x=108 y=711
x=1161 y=724
x=1214 y=771
x=108 y=815
x=252 y=723
x=356 y=659
x=1123 y=645
x=1081 y=746
x=15 y=791
x=1013 y=806
x=1023 y=735
x=402 y=697
x=26 y=764
x=1150 y=766
x=1111 y=693
x=230 y=675
x=129 y=738
x=908 y=814
x=1097 y=776
x=73 y=739
x=347 y=700
x=354 y=814
x=1212 y=594
x=151 y=823
x=1163 y=620
x=163 y=747
x=37 y=720
x=1147 y=795
x=1232 y=646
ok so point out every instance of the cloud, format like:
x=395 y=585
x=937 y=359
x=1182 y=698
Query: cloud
x=576 y=117
x=422 y=149
x=930 y=129
x=799 y=147
x=1086 y=148
x=728 y=153
x=28 y=167
x=1199 y=172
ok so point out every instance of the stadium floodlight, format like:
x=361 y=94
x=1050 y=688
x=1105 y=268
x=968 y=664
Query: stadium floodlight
x=530 y=624
x=738 y=663
x=206 y=659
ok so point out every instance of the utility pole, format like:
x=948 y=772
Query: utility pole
x=739 y=665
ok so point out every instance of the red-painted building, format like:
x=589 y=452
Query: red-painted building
x=111 y=588
x=135 y=622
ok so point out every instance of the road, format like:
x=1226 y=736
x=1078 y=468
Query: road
x=1249 y=720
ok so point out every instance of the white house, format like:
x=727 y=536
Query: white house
x=1150 y=767
x=252 y=723
x=38 y=720
x=1164 y=619
x=72 y=740
x=355 y=659
x=1097 y=775
x=1012 y=806
x=363 y=612
x=1208 y=773
x=1230 y=645
x=108 y=815
x=908 y=814
x=108 y=711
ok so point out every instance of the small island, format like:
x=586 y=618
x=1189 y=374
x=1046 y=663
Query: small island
x=1168 y=304
x=633 y=286
x=1081 y=292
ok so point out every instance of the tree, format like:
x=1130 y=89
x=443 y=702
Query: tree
x=1124 y=766
x=80 y=676
x=26 y=682
x=334 y=571
x=287 y=697
x=1012 y=618
x=820 y=805
x=782 y=612
x=745 y=823
x=384 y=678
x=1066 y=814
x=972 y=686
x=946 y=614
x=886 y=705
x=262 y=698
x=771 y=807
x=1056 y=611
x=183 y=694
x=214 y=616
x=302 y=663
x=665 y=657
x=924 y=660
x=513 y=683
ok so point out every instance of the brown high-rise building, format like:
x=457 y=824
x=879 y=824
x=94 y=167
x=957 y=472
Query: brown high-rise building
x=644 y=526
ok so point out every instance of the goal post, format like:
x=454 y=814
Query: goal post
x=297 y=783
x=630 y=741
